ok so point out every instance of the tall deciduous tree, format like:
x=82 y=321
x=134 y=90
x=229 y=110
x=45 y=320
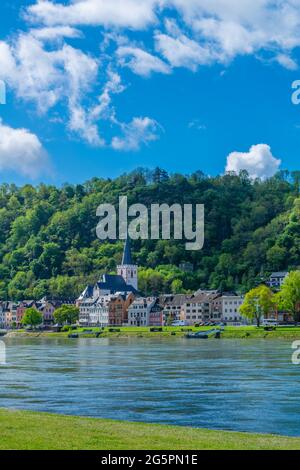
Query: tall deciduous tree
x=258 y=304
x=289 y=296
x=66 y=314
x=32 y=317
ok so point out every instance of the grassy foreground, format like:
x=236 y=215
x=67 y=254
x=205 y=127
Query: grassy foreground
x=230 y=332
x=22 y=430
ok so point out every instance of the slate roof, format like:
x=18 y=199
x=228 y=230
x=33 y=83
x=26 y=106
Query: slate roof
x=280 y=274
x=127 y=259
x=115 y=283
x=177 y=300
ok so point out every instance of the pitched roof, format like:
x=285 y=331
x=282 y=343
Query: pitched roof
x=87 y=293
x=127 y=259
x=115 y=283
x=177 y=300
x=280 y=274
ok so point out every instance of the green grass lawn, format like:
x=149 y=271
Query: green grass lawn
x=22 y=430
x=244 y=332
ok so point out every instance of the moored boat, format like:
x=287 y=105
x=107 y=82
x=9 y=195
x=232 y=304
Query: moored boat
x=205 y=334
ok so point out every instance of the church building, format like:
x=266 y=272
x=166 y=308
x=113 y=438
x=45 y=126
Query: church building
x=128 y=270
x=126 y=281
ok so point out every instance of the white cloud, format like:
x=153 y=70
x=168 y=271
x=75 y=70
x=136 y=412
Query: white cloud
x=286 y=62
x=104 y=109
x=35 y=76
x=198 y=125
x=259 y=162
x=63 y=75
x=141 y=62
x=223 y=28
x=21 y=152
x=122 y=13
x=85 y=121
x=68 y=76
x=80 y=72
x=7 y=61
x=139 y=131
x=182 y=51
x=42 y=68
x=57 y=32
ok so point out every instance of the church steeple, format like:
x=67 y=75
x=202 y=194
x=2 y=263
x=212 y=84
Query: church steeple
x=128 y=270
x=127 y=259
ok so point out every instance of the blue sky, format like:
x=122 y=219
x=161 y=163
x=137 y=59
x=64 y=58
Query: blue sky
x=98 y=90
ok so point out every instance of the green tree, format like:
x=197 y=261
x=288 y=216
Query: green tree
x=32 y=317
x=177 y=286
x=48 y=244
x=289 y=296
x=258 y=303
x=68 y=314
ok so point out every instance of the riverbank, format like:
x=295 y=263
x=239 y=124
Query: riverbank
x=23 y=430
x=245 y=332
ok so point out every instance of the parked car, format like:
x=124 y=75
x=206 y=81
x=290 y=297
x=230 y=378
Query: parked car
x=178 y=323
x=269 y=322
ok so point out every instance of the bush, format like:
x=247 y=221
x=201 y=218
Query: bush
x=66 y=328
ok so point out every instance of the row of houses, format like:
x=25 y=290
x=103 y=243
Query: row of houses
x=129 y=309
x=126 y=309
x=115 y=301
x=12 y=313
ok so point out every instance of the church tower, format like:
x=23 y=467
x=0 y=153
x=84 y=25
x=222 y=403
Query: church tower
x=128 y=270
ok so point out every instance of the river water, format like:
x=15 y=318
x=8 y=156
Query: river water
x=240 y=385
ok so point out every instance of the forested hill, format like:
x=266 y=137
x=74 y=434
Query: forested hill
x=48 y=244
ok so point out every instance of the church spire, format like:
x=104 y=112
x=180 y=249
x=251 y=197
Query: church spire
x=127 y=259
x=128 y=269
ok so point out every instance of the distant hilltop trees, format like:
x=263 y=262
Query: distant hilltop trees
x=48 y=243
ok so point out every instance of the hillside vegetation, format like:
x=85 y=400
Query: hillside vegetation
x=48 y=243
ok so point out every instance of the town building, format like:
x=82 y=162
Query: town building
x=107 y=302
x=202 y=307
x=21 y=309
x=173 y=307
x=47 y=308
x=2 y=316
x=230 y=309
x=11 y=314
x=277 y=279
x=140 y=310
x=128 y=270
x=99 y=312
x=156 y=314
x=118 y=309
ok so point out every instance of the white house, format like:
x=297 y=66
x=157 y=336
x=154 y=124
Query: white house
x=95 y=312
x=139 y=311
x=204 y=306
x=230 y=308
x=99 y=313
x=277 y=279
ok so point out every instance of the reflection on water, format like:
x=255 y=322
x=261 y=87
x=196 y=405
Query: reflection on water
x=240 y=385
